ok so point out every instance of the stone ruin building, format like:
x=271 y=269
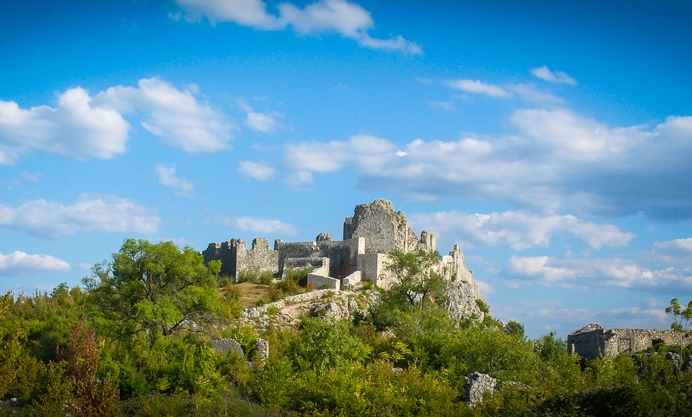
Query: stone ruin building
x=372 y=232
x=593 y=341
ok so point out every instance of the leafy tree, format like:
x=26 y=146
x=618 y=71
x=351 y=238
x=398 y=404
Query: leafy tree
x=274 y=384
x=321 y=345
x=682 y=319
x=10 y=350
x=156 y=288
x=416 y=276
x=515 y=328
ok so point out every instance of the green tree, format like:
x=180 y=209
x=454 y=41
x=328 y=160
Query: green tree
x=156 y=288
x=682 y=319
x=417 y=277
x=10 y=350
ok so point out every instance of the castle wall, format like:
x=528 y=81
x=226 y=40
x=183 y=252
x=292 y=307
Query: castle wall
x=342 y=254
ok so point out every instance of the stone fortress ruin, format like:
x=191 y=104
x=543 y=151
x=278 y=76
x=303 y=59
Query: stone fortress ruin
x=372 y=232
x=594 y=341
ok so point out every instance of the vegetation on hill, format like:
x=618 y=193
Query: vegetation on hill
x=134 y=341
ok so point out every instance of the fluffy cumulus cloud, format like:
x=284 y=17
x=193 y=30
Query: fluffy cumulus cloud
x=257 y=170
x=176 y=116
x=77 y=127
x=517 y=229
x=325 y=16
x=167 y=177
x=82 y=126
x=20 y=263
x=552 y=160
x=261 y=225
x=558 y=77
x=105 y=213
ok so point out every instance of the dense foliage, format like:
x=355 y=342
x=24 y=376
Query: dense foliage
x=135 y=342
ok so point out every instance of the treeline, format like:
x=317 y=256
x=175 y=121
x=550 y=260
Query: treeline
x=134 y=341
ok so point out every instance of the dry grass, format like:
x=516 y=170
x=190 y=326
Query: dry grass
x=250 y=293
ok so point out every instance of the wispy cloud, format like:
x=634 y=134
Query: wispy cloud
x=444 y=105
x=478 y=87
x=324 y=16
x=260 y=122
x=182 y=187
x=557 y=77
x=257 y=170
x=105 y=213
x=20 y=263
x=261 y=225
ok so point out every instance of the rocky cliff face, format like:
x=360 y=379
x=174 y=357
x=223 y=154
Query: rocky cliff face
x=383 y=229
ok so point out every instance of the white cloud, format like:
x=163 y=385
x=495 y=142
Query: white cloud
x=177 y=117
x=558 y=77
x=84 y=127
x=20 y=263
x=260 y=225
x=104 y=213
x=517 y=229
x=261 y=122
x=182 y=187
x=553 y=159
x=596 y=272
x=77 y=128
x=529 y=93
x=256 y=170
x=299 y=179
x=257 y=121
x=364 y=150
x=478 y=87
x=325 y=16
x=252 y=13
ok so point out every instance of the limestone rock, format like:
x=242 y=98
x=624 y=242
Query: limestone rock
x=476 y=385
x=226 y=345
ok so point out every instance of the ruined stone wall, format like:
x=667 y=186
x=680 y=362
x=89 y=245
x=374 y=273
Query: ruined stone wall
x=236 y=258
x=224 y=252
x=453 y=269
x=593 y=341
x=384 y=229
x=258 y=258
x=342 y=254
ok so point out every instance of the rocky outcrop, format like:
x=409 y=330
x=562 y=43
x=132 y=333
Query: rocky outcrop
x=224 y=346
x=461 y=301
x=384 y=229
x=476 y=386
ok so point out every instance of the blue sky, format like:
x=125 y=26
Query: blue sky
x=551 y=140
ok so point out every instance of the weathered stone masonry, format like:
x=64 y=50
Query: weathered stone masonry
x=594 y=341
